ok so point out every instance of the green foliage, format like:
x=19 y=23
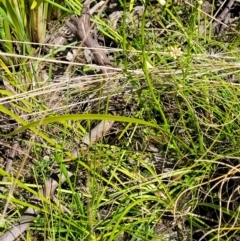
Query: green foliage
x=182 y=111
x=24 y=21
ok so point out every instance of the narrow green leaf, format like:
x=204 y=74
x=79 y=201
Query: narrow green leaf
x=83 y=117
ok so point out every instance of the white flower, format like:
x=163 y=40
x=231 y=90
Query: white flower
x=175 y=52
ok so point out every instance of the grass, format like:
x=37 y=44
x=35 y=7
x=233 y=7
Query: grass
x=169 y=166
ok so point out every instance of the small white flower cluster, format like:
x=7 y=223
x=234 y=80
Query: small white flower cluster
x=175 y=52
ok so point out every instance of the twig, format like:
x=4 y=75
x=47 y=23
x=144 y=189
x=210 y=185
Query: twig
x=223 y=14
x=83 y=31
x=91 y=11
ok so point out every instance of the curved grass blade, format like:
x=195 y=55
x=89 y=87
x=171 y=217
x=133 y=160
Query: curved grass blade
x=82 y=117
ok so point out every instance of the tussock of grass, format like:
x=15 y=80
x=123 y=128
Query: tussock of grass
x=169 y=165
